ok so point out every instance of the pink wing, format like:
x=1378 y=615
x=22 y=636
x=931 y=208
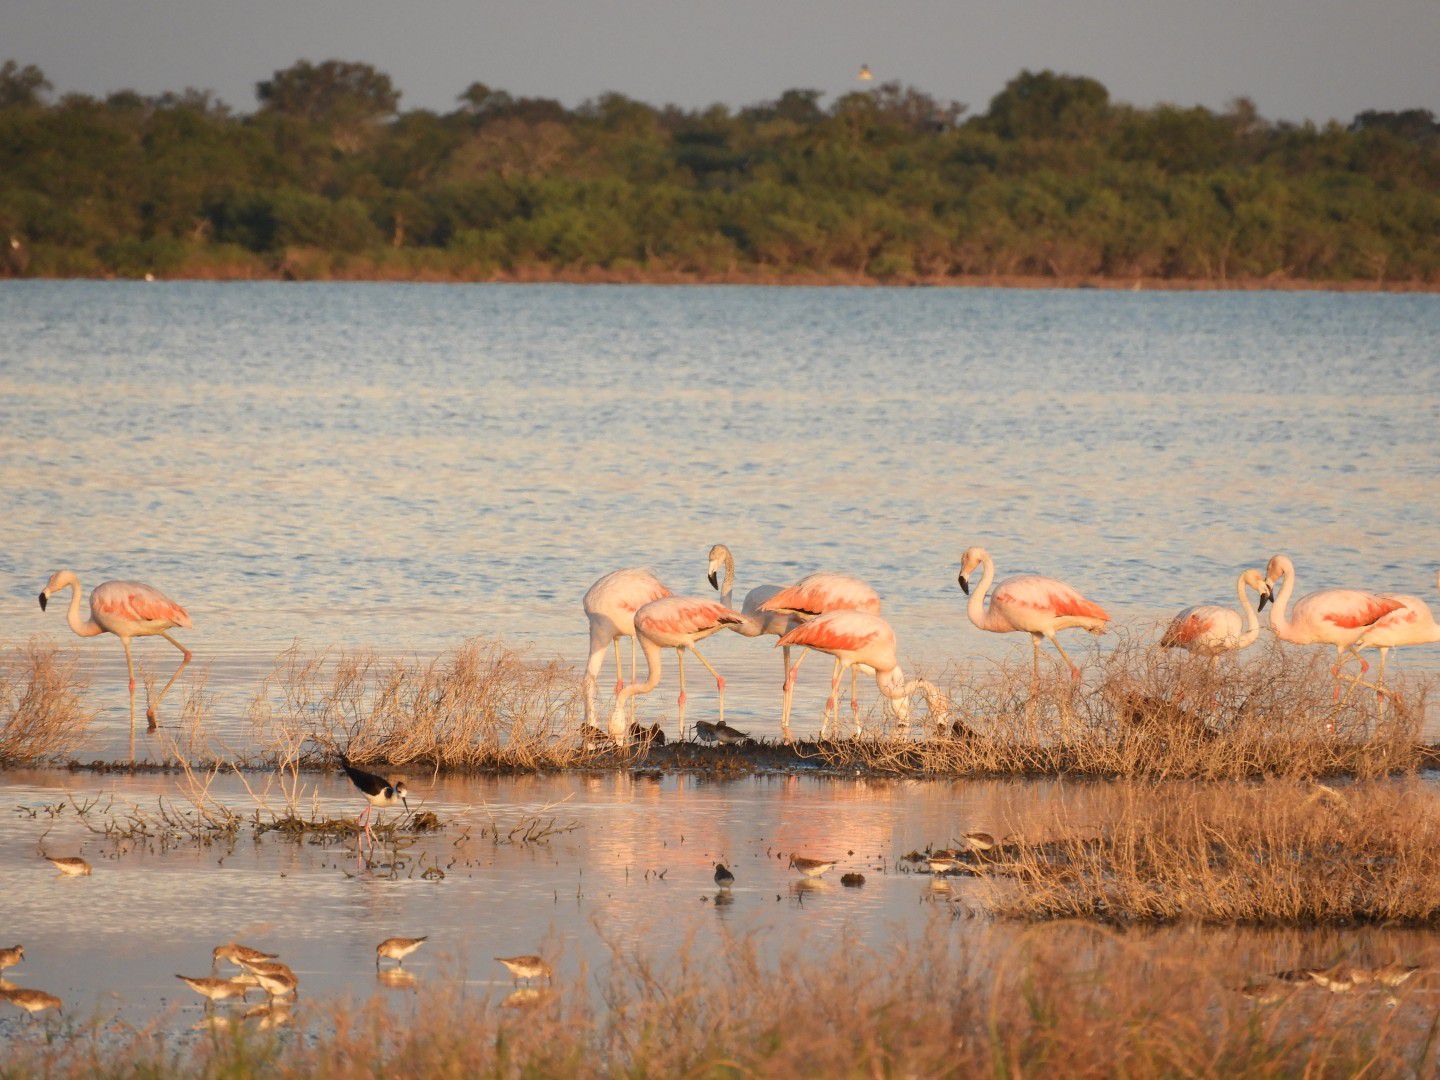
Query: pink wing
x=1186 y=627
x=846 y=631
x=137 y=602
x=1362 y=609
x=1048 y=595
x=683 y=615
x=823 y=592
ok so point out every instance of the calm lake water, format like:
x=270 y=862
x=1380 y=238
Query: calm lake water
x=403 y=466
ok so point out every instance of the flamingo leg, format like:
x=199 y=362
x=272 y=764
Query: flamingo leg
x=1074 y=671
x=789 y=695
x=130 y=666
x=855 y=698
x=680 y=701
x=786 y=651
x=599 y=646
x=1034 y=664
x=619 y=680
x=633 y=704
x=184 y=659
x=832 y=703
x=1380 y=688
x=719 y=679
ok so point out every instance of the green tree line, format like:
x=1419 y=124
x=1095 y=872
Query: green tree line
x=329 y=176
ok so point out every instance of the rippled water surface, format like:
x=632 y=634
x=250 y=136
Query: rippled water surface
x=403 y=466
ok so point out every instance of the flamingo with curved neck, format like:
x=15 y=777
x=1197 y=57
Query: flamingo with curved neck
x=757 y=623
x=858 y=639
x=127 y=609
x=1209 y=630
x=1031 y=604
x=610 y=605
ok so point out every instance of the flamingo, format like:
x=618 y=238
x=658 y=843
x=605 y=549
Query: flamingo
x=673 y=622
x=1209 y=630
x=610 y=605
x=1410 y=624
x=757 y=623
x=1029 y=603
x=127 y=609
x=814 y=595
x=1338 y=617
x=860 y=639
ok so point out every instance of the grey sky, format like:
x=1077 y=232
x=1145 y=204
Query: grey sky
x=1299 y=59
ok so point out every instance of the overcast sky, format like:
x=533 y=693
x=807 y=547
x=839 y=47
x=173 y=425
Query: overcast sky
x=1299 y=59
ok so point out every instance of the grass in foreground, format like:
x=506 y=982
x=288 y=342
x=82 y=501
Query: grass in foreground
x=1060 y=1000
x=1278 y=853
x=42 y=714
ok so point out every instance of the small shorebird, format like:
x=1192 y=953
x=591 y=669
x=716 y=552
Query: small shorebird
x=728 y=736
x=11 y=956
x=1393 y=973
x=723 y=877
x=397 y=948
x=32 y=1001
x=215 y=989
x=240 y=954
x=70 y=867
x=944 y=864
x=378 y=792
x=1266 y=992
x=279 y=984
x=267 y=967
x=810 y=867
x=978 y=841
x=706 y=732
x=526 y=967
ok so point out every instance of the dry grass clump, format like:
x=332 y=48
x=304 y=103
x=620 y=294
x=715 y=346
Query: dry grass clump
x=479 y=706
x=1278 y=853
x=1057 y=1001
x=41 y=712
x=1143 y=712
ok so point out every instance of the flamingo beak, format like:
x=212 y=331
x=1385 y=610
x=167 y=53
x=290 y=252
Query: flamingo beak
x=964 y=585
x=714 y=579
x=43 y=601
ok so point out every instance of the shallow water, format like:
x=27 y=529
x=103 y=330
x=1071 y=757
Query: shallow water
x=404 y=466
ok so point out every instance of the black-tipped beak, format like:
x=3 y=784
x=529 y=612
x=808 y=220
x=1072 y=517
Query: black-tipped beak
x=964 y=585
x=43 y=601
x=714 y=579
x=1264 y=599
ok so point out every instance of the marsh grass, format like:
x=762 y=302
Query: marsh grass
x=1275 y=853
x=481 y=705
x=1057 y=1000
x=42 y=712
x=1147 y=713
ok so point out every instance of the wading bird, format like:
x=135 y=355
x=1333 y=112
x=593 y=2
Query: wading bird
x=1412 y=623
x=808 y=598
x=675 y=622
x=1338 y=617
x=757 y=623
x=378 y=792
x=610 y=605
x=859 y=639
x=526 y=967
x=397 y=948
x=127 y=609
x=32 y=1001
x=810 y=867
x=1030 y=604
x=1209 y=630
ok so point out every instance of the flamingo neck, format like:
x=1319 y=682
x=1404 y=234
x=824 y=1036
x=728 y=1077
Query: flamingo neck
x=84 y=627
x=978 y=613
x=1252 y=617
x=727 y=590
x=618 y=728
x=1279 y=613
x=894 y=686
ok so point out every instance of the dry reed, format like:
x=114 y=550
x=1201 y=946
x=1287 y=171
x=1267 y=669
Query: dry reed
x=1276 y=853
x=1147 y=713
x=42 y=715
x=1059 y=1000
x=479 y=706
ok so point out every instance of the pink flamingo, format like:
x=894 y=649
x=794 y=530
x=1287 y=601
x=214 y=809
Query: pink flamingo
x=1209 y=630
x=809 y=597
x=1035 y=605
x=1338 y=617
x=860 y=639
x=127 y=609
x=757 y=623
x=610 y=605
x=1412 y=623
x=673 y=622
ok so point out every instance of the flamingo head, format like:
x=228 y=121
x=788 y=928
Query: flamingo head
x=1279 y=566
x=972 y=558
x=60 y=579
x=1255 y=580
x=720 y=559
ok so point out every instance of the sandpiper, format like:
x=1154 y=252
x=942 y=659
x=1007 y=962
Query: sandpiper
x=707 y=732
x=11 y=956
x=32 y=1001
x=810 y=867
x=1393 y=973
x=941 y=864
x=729 y=736
x=214 y=989
x=378 y=792
x=1266 y=992
x=239 y=954
x=723 y=877
x=278 y=985
x=70 y=867
x=526 y=967
x=267 y=967
x=397 y=948
x=979 y=841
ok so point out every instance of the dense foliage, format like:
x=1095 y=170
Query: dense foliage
x=1054 y=179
